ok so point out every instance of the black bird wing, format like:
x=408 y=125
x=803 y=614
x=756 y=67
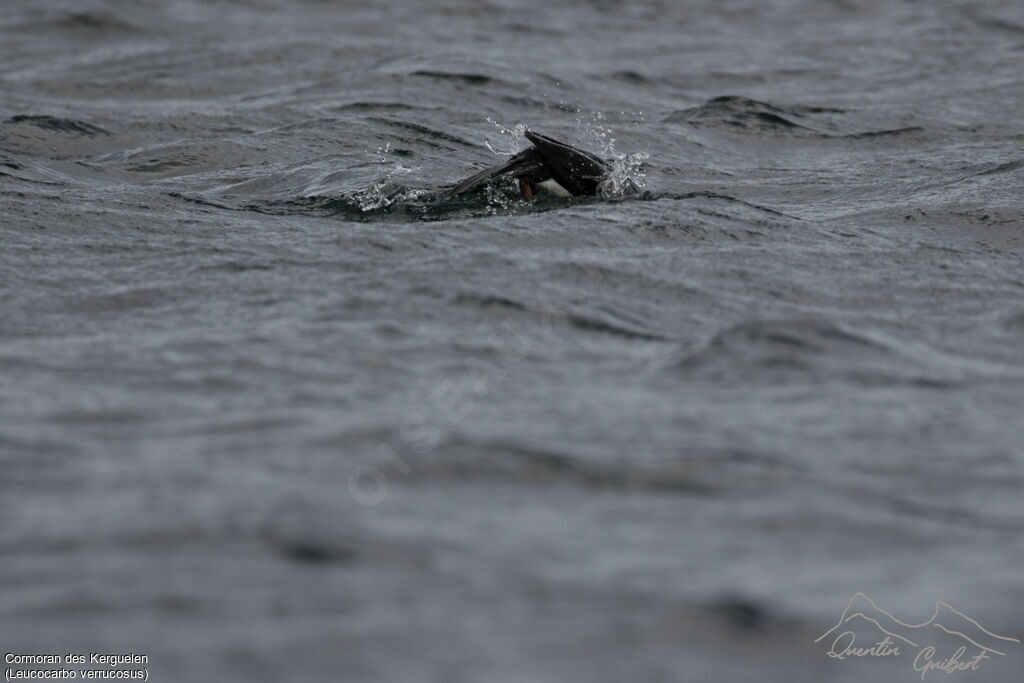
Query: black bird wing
x=577 y=171
x=529 y=162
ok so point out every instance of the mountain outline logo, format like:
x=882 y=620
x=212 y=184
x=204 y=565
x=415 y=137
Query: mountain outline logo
x=949 y=641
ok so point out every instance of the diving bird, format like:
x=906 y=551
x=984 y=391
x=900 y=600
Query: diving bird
x=549 y=166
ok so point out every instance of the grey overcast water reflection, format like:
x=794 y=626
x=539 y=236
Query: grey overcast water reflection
x=271 y=410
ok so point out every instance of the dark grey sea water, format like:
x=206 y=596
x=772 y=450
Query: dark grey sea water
x=270 y=411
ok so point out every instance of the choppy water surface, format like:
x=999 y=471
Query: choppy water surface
x=272 y=411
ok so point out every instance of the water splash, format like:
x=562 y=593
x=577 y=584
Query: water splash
x=628 y=174
x=627 y=177
x=511 y=137
x=385 y=191
x=500 y=199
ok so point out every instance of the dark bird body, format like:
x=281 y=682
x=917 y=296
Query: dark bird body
x=548 y=166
